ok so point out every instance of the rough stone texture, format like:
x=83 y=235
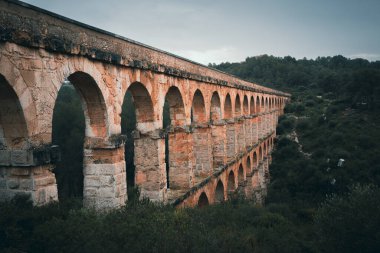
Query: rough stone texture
x=219 y=145
x=202 y=154
x=150 y=173
x=39 y=51
x=104 y=178
x=37 y=182
x=231 y=142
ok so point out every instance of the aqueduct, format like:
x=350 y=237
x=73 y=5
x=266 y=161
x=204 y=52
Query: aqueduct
x=221 y=130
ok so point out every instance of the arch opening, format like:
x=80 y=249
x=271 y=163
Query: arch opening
x=137 y=113
x=128 y=125
x=176 y=143
x=237 y=106
x=198 y=110
x=203 y=200
x=228 y=107
x=215 y=111
x=176 y=107
x=258 y=108
x=219 y=192
x=93 y=104
x=248 y=164
x=231 y=182
x=260 y=154
x=69 y=136
x=245 y=105
x=254 y=160
x=252 y=106
x=13 y=129
x=241 y=175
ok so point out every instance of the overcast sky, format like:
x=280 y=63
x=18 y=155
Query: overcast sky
x=230 y=30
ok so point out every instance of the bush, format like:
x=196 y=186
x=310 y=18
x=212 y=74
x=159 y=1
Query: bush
x=303 y=125
x=350 y=223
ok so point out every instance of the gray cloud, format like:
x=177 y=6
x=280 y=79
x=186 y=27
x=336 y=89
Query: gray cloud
x=216 y=31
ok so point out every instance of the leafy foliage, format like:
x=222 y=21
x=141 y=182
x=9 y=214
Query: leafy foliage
x=313 y=203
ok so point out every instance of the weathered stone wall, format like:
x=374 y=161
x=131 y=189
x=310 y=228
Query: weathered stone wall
x=216 y=119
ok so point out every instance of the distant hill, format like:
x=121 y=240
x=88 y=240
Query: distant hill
x=357 y=80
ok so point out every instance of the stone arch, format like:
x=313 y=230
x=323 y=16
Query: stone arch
x=177 y=150
x=219 y=192
x=215 y=110
x=176 y=107
x=203 y=200
x=258 y=107
x=248 y=164
x=137 y=114
x=262 y=108
x=266 y=105
x=265 y=148
x=13 y=127
x=69 y=170
x=260 y=154
x=142 y=102
x=198 y=109
x=237 y=106
x=252 y=106
x=228 y=107
x=93 y=104
x=254 y=159
x=245 y=105
x=231 y=182
x=241 y=174
x=202 y=150
x=95 y=128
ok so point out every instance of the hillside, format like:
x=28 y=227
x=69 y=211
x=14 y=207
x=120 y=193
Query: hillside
x=324 y=194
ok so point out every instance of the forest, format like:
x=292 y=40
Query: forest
x=324 y=194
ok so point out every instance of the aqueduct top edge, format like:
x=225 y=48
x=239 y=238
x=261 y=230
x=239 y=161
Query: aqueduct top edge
x=30 y=26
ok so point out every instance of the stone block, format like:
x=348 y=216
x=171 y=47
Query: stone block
x=91 y=181
x=107 y=192
x=20 y=171
x=13 y=184
x=20 y=157
x=5 y=158
x=26 y=184
x=3 y=183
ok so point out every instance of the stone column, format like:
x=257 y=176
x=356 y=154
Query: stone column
x=255 y=130
x=28 y=173
x=181 y=162
x=240 y=134
x=219 y=142
x=150 y=170
x=202 y=149
x=105 y=183
x=260 y=126
x=248 y=131
x=231 y=140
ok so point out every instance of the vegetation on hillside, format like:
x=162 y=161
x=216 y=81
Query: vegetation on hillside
x=324 y=194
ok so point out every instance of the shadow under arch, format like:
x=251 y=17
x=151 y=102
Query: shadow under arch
x=215 y=110
x=219 y=192
x=231 y=182
x=93 y=104
x=176 y=145
x=198 y=108
x=80 y=100
x=137 y=115
x=203 y=200
x=13 y=127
